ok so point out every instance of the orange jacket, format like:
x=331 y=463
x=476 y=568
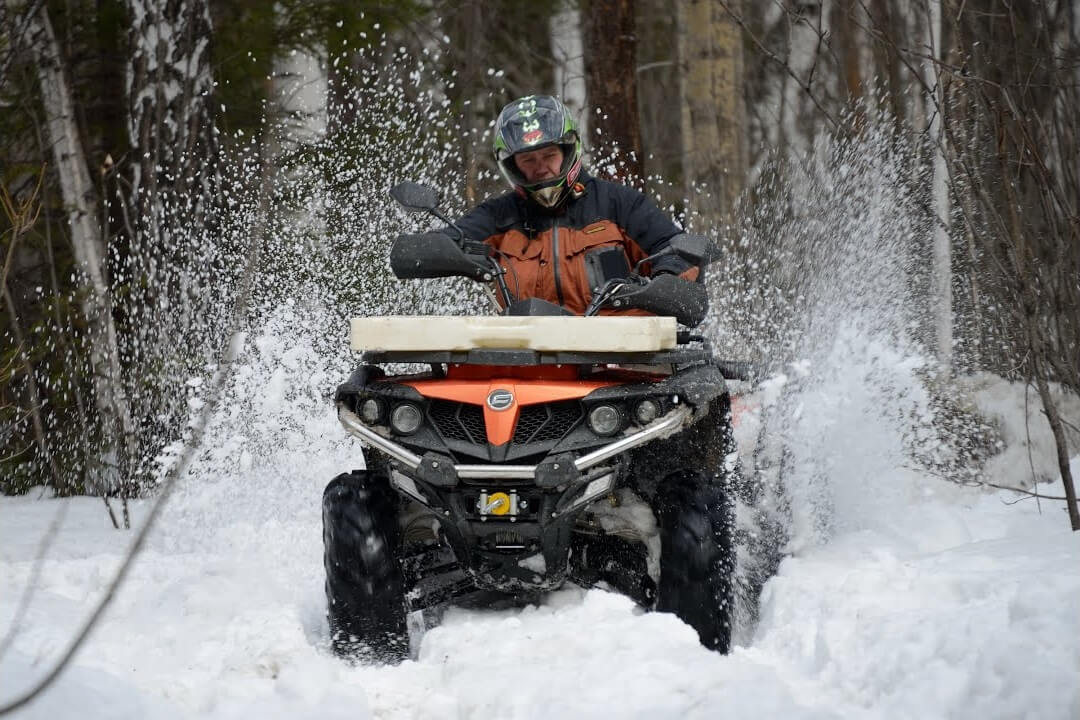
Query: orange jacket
x=601 y=232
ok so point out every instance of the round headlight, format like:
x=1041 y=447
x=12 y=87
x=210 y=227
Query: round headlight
x=605 y=419
x=646 y=411
x=406 y=418
x=371 y=411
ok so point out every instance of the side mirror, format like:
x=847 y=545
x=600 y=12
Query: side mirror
x=692 y=248
x=415 y=197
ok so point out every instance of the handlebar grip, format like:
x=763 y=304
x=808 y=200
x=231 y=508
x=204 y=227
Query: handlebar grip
x=735 y=369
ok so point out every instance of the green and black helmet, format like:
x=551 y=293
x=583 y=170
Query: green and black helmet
x=530 y=123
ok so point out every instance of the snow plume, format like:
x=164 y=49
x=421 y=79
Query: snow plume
x=823 y=288
x=315 y=213
x=319 y=212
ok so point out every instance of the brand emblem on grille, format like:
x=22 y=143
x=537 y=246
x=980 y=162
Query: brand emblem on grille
x=500 y=399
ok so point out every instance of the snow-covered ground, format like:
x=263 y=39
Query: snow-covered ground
x=923 y=599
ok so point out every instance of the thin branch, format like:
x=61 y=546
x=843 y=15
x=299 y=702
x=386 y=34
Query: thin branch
x=986 y=483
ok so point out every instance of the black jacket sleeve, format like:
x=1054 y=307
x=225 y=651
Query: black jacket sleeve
x=649 y=227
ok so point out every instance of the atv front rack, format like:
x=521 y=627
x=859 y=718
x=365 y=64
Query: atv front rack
x=490 y=356
x=730 y=369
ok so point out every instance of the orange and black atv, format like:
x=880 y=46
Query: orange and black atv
x=540 y=448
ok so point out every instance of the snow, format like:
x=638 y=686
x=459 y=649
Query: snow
x=940 y=601
x=966 y=609
x=1029 y=451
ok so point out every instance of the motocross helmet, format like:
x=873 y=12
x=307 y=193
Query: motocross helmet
x=530 y=123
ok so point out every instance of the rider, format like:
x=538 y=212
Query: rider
x=561 y=234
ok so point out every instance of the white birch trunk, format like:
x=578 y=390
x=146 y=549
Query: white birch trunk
x=78 y=193
x=299 y=115
x=797 y=109
x=569 y=54
x=300 y=89
x=941 y=274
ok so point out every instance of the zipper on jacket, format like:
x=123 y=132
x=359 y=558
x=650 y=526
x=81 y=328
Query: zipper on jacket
x=555 y=258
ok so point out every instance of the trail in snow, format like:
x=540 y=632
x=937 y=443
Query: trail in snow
x=963 y=606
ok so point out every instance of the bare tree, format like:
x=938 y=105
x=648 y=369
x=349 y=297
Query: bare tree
x=1015 y=133
x=22 y=215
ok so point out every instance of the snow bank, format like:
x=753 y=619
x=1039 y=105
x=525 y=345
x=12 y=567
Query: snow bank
x=1028 y=455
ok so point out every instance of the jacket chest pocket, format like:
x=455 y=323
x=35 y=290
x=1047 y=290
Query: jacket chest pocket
x=598 y=252
x=521 y=258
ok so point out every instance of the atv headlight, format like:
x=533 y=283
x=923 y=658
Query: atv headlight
x=592 y=491
x=605 y=419
x=646 y=411
x=371 y=411
x=406 y=419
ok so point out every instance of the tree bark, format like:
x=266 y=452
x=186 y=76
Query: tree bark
x=471 y=82
x=611 y=83
x=941 y=276
x=1060 y=444
x=568 y=53
x=713 y=115
x=169 y=90
x=77 y=189
x=170 y=311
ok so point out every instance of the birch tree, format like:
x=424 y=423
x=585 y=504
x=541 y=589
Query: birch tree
x=169 y=85
x=941 y=275
x=168 y=241
x=569 y=56
x=116 y=427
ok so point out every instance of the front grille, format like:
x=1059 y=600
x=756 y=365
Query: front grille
x=459 y=421
x=544 y=423
x=536 y=423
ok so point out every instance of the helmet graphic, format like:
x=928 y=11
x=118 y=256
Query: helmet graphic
x=530 y=123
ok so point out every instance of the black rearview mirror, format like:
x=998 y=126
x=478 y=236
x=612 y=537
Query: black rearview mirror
x=692 y=248
x=415 y=197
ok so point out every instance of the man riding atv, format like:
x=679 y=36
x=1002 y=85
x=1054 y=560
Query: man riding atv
x=561 y=233
x=540 y=447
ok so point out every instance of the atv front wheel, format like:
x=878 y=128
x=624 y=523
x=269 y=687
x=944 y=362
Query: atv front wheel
x=365 y=595
x=697 y=555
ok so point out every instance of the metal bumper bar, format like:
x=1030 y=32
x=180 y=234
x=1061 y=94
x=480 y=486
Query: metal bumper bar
x=659 y=428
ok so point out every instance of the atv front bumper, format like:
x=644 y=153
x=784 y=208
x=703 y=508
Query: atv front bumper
x=443 y=472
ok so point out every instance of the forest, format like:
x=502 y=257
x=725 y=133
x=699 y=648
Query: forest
x=171 y=171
